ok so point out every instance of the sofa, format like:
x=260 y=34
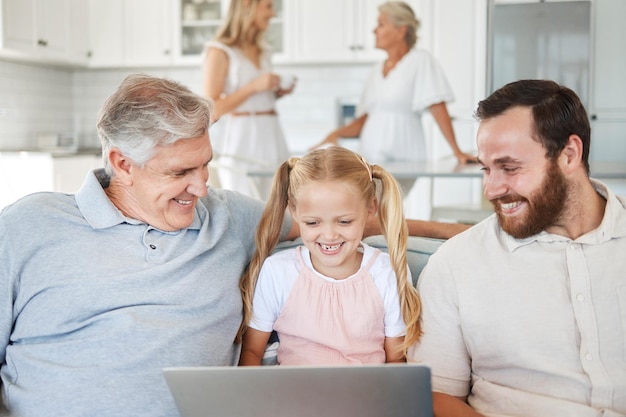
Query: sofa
x=418 y=251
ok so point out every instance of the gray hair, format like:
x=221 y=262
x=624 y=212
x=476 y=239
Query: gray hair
x=401 y=14
x=146 y=112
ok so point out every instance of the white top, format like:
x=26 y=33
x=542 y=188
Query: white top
x=281 y=270
x=394 y=105
x=256 y=141
x=529 y=327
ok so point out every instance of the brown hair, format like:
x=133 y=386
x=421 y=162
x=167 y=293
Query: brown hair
x=557 y=113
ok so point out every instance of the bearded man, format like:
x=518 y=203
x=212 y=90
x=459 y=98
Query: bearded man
x=524 y=314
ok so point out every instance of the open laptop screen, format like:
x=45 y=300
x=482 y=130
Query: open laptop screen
x=390 y=390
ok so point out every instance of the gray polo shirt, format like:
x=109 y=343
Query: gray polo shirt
x=93 y=304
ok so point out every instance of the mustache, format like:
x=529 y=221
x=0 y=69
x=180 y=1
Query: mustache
x=505 y=199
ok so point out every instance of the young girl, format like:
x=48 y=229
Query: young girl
x=335 y=299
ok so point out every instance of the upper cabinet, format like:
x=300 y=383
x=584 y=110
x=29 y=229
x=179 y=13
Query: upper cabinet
x=609 y=63
x=126 y=33
x=332 y=30
x=44 y=30
x=199 y=20
x=608 y=85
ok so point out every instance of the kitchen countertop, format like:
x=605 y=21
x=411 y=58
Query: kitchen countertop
x=57 y=152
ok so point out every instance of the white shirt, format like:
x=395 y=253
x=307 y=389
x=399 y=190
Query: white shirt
x=281 y=270
x=529 y=327
x=394 y=105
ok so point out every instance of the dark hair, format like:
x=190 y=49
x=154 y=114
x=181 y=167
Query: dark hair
x=557 y=113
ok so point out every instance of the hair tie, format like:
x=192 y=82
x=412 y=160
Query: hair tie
x=368 y=167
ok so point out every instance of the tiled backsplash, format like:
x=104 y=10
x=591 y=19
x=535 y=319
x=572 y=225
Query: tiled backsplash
x=36 y=99
x=32 y=100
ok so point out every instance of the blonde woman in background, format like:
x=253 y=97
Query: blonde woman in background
x=398 y=91
x=238 y=77
x=334 y=299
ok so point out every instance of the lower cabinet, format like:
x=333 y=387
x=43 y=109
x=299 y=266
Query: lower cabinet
x=23 y=173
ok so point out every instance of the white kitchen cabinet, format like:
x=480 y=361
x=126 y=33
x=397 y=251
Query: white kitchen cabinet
x=608 y=89
x=333 y=30
x=43 y=30
x=106 y=32
x=199 y=20
x=23 y=173
x=130 y=33
x=148 y=28
x=79 y=31
x=459 y=42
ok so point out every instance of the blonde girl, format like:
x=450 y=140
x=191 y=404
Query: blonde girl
x=334 y=299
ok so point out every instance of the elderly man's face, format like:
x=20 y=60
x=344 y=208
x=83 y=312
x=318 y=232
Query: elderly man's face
x=165 y=190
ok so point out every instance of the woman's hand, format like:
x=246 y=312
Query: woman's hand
x=284 y=91
x=332 y=139
x=466 y=158
x=265 y=82
x=351 y=130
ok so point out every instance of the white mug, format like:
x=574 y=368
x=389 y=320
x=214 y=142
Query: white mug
x=287 y=81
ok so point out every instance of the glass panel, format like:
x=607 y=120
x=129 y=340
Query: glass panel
x=200 y=21
x=194 y=38
x=542 y=40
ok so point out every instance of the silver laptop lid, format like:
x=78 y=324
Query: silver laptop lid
x=391 y=390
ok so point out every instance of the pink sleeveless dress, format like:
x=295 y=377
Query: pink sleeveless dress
x=327 y=323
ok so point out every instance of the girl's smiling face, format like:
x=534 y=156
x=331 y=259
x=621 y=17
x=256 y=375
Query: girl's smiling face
x=332 y=218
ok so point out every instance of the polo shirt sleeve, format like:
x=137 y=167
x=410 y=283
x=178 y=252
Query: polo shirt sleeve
x=442 y=347
x=6 y=299
x=246 y=213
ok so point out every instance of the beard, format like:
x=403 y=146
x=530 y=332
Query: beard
x=544 y=206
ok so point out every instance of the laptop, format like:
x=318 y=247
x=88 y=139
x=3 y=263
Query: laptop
x=389 y=390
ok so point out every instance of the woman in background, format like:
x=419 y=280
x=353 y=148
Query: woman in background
x=238 y=77
x=398 y=90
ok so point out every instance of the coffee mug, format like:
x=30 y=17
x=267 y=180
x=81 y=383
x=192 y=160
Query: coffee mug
x=287 y=81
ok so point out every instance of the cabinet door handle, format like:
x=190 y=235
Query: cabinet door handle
x=42 y=42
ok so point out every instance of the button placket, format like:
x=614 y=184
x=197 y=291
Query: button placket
x=150 y=241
